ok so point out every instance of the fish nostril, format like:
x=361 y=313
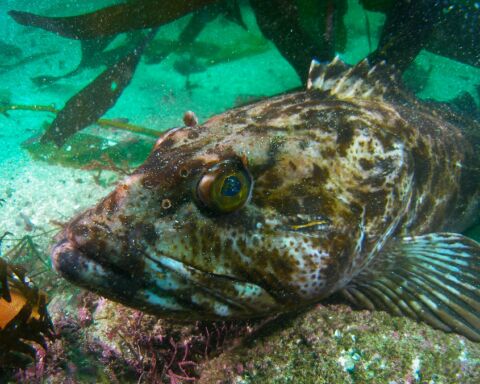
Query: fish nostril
x=79 y=234
x=166 y=204
x=90 y=237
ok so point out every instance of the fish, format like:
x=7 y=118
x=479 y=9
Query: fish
x=350 y=187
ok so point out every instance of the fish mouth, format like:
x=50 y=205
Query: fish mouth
x=81 y=269
x=166 y=287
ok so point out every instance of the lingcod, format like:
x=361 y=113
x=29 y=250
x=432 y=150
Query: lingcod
x=350 y=186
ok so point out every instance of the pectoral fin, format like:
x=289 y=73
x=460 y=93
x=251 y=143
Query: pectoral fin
x=433 y=278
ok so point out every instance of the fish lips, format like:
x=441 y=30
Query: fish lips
x=167 y=287
x=81 y=269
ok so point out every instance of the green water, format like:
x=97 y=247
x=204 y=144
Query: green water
x=42 y=186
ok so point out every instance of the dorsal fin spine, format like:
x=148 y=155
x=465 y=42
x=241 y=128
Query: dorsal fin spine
x=359 y=81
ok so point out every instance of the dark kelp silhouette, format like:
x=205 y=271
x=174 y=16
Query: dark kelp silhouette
x=302 y=30
x=93 y=55
x=112 y=20
x=285 y=22
x=306 y=29
x=425 y=24
x=12 y=57
x=95 y=99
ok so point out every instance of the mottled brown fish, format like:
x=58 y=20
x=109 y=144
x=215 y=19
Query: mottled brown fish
x=351 y=186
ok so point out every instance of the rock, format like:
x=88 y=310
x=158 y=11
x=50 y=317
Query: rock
x=335 y=344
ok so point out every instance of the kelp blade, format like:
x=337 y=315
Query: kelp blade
x=112 y=20
x=96 y=98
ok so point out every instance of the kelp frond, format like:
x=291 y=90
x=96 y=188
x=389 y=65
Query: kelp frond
x=111 y=123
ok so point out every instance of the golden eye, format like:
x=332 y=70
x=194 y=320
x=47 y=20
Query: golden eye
x=225 y=187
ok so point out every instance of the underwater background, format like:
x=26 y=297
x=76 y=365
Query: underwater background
x=42 y=186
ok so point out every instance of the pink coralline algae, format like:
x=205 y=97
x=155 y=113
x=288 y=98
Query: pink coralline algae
x=98 y=338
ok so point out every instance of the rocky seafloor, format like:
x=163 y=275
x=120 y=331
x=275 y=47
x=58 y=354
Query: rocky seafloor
x=100 y=341
x=335 y=344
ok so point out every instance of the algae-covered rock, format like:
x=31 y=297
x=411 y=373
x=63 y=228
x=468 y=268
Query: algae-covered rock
x=335 y=344
x=101 y=341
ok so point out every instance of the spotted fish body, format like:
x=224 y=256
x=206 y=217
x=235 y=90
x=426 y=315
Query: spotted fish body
x=273 y=206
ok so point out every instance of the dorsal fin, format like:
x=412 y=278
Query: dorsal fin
x=359 y=81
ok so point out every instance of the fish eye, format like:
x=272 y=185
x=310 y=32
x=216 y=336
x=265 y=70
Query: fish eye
x=226 y=187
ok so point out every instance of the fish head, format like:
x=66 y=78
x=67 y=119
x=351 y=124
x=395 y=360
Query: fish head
x=239 y=217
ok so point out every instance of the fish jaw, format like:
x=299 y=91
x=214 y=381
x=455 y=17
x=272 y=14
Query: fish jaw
x=166 y=287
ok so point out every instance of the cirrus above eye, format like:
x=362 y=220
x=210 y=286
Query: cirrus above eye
x=225 y=187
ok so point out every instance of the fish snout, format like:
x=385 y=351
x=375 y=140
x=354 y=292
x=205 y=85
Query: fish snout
x=68 y=260
x=119 y=245
x=81 y=269
x=92 y=237
x=91 y=241
x=72 y=263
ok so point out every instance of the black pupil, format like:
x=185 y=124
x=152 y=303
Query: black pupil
x=231 y=186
